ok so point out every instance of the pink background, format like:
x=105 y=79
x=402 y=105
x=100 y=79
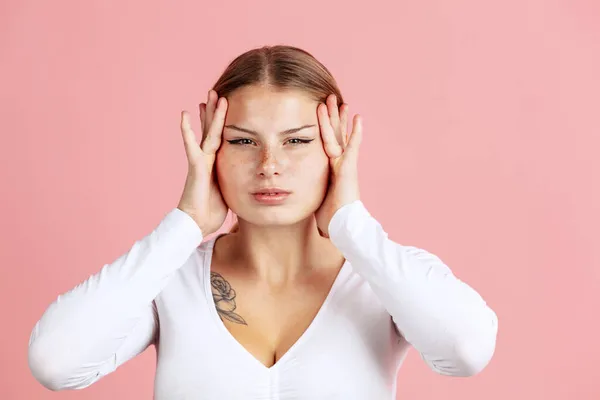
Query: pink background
x=481 y=133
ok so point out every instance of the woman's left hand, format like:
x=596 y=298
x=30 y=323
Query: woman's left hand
x=342 y=150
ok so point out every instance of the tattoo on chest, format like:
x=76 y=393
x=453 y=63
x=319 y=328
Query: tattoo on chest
x=224 y=298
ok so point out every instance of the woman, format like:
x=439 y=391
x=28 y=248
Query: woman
x=306 y=298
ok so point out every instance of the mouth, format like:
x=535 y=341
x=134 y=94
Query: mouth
x=271 y=192
x=271 y=196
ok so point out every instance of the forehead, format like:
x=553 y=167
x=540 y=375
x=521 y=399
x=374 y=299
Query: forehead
x=261 y=106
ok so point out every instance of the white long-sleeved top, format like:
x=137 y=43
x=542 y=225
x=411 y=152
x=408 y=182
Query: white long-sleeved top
x=159 y=293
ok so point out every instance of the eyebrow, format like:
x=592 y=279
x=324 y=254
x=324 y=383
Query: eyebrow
x=286 y=132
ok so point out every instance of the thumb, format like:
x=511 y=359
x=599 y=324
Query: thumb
x=355 y=138
x=192 y=148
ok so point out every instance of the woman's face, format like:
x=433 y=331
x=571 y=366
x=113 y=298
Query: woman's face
x=271 y=139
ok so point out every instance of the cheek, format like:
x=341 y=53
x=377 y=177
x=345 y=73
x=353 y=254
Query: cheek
x=312 y=166
x=230 y=170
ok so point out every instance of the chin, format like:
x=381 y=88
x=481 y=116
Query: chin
x=274 y=216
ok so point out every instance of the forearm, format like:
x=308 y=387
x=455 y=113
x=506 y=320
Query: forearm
x=81 y=332
x=445 y=319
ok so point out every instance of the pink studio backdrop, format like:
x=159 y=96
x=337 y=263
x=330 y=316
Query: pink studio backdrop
x=481 y=134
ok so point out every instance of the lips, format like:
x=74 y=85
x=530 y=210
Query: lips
x=271 y=196
x=272 y=191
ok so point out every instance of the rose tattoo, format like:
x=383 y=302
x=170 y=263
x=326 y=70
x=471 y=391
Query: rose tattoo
x=224 y=298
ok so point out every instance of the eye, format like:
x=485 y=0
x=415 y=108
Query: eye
x=297 y=141
x=243 y=141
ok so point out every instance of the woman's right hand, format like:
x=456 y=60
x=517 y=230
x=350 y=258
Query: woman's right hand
x=201 y=197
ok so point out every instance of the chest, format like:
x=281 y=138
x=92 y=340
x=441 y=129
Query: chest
x=267 y=322
x=339 y=344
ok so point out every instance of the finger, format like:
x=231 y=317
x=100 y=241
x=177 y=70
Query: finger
x=190 y=143
x=344 y=124
x=355 y=137
x=334 y=116
x=202 y=109
x=212 y=141
x=330 y=143
x=211 y=105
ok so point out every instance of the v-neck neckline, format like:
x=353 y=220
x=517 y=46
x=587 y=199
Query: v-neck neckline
x=207 y=261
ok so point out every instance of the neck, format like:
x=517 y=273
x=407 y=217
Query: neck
x=282 y=254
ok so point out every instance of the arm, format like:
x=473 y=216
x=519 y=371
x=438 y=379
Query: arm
x=108 y=319
x=443 y=318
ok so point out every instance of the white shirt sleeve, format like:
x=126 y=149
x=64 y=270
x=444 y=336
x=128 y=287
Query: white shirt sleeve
x=109 y=318
x=443 y=318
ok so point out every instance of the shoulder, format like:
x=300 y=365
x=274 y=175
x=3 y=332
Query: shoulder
x=190 y=277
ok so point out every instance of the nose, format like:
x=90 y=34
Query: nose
x=271 y=163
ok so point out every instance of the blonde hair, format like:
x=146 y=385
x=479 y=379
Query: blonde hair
x=281 y=67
